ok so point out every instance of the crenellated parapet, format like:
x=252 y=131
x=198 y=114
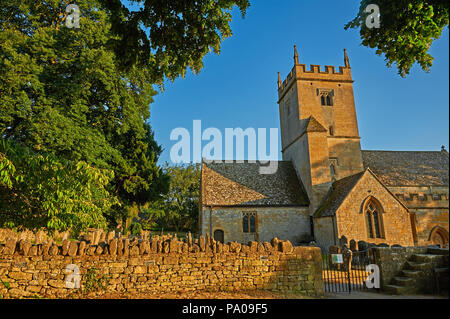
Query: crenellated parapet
x=423 y=199
x=314 y=73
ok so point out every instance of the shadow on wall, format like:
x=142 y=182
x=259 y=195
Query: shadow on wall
x=348 y=152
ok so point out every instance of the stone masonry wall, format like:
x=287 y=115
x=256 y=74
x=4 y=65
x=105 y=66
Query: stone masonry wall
x=427 y=220
x=161 y=264
x=325 y=232
x=285 y=223
x=429 y=205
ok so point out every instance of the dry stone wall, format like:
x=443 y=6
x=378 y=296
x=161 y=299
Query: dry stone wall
x=159 y=264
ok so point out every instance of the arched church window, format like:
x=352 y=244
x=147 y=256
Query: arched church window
x=373 y=213
x=369 y=224
x=322 y=100
x=331 y=131
x=376 y=224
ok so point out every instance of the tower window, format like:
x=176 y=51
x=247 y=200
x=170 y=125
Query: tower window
x=322 y=100
x=326 y=96
x=331 y=131
x=332 y=170
x=333 y=167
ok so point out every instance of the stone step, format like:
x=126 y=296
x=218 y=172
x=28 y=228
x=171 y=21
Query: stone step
x=423 y=258
x=443 y=270
x=403 y=281
x=443 y=278
x=437 y=251
x=411 y=273
x=412 y=265
x=399 y=290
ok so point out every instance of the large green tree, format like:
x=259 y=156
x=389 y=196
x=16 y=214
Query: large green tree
x=63 y=94
x=407 y=30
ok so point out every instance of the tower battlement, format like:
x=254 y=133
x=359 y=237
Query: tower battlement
x=314 y=73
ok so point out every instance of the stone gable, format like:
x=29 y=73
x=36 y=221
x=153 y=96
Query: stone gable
x=396 y=219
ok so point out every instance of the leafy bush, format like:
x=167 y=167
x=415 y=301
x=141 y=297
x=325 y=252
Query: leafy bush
x=178 y=209
x=38 y=190
x=135 y=229
x=94 y=281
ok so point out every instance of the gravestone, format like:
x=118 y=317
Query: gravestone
x=343 y=241
x=362 y=245
x=353 y=245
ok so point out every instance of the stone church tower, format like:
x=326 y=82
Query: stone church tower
x=319 y=129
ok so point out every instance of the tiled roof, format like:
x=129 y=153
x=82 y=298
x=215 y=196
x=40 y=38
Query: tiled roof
x=241 y=184
x=310 y=124
x=408 y=168
x=336 y=195
x=314 y=126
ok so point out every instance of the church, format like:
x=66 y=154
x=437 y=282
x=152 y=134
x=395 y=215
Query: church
x=325 y=186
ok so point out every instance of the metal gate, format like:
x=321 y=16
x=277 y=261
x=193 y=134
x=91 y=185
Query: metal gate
x=343 y=275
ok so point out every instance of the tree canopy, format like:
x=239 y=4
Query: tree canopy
x=407 y=30
x=170 y=36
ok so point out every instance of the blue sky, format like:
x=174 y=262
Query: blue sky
x=238 y=88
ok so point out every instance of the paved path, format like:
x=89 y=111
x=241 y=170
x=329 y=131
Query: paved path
x=374 y=295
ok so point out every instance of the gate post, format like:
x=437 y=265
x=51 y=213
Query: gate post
x=349 y=280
